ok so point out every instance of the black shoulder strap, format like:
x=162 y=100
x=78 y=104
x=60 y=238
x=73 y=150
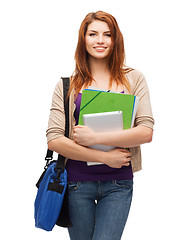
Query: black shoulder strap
x=49 y=155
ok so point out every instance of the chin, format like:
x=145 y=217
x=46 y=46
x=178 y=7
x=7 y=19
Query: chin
x=99 y=56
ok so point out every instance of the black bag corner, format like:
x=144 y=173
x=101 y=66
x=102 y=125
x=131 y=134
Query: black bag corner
x=64 y=217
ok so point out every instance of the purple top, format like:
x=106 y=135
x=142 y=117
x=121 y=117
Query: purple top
x=80 y=171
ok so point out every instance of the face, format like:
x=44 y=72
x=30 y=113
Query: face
x=98 y=39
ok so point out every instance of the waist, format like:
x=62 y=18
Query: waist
x=80 y=171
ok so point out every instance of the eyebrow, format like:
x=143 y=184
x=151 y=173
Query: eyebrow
x=97 y=32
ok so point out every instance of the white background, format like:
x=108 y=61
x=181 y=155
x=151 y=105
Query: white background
x=37 y=45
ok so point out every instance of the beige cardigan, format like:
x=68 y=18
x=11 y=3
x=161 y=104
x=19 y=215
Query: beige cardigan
x=56 y=124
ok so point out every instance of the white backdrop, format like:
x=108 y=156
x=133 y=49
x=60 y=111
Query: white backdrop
x=37 y=45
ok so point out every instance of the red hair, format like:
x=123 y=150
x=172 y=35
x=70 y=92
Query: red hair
x=82 y=75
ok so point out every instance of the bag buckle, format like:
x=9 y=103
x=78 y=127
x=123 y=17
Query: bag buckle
x=48 y=159
x=57 y=178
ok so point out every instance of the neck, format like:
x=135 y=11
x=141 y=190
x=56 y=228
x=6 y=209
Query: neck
x=99 y=67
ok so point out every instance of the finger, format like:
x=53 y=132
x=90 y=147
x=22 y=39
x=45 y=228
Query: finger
x=75 y=137
x=122 y=150
x=128 y=154
x=126 y=164
x=75 y=140
x=128 y=159
x=79 y=126
x=74 y=130
x=125 y=150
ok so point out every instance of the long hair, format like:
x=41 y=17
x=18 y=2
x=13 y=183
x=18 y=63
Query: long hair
x=82 y=74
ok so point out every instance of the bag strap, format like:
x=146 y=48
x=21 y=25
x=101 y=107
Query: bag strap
x=60 y=165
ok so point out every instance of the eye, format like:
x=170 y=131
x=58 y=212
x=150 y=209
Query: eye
x=92 y=34
x=108 y=35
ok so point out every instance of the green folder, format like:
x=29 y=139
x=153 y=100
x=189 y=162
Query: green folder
x=99 y=101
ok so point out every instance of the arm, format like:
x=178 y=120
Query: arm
x=125 y=138
x=115 y=158
x=71 y=150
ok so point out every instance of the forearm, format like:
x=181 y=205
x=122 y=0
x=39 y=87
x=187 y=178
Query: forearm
x=126 y=138
x=71 y=150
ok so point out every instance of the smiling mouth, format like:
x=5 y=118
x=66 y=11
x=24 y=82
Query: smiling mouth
x=100 y=48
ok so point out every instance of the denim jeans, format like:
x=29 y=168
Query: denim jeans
x=99 y=210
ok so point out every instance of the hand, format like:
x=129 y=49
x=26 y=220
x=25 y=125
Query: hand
x=118 y=158
x=84 y=135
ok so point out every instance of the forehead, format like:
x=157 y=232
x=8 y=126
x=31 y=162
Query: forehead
x=98 y=26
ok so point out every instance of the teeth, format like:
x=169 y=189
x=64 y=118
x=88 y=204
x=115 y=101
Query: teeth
x=100 y=48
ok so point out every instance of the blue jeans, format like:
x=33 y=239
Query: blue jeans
x=99 y=210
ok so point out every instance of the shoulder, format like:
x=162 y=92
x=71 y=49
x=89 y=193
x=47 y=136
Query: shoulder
x=59 y=86
x=136 y=79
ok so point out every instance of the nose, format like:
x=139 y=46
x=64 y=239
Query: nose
x=100 y=39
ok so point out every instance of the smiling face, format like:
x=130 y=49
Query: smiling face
x=98 y=39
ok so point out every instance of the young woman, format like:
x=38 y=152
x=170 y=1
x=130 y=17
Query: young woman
x=100 y=195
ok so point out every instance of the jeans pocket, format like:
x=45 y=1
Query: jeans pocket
x=72 y=186
x=123 y=183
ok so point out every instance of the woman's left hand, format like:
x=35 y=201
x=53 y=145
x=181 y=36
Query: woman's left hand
x=84 y=135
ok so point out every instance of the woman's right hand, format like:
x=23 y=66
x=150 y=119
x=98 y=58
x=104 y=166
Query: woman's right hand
x=118 y=158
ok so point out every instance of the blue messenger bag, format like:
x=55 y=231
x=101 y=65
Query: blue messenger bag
x=51 y=203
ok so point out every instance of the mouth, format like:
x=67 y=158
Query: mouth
x=100 y=48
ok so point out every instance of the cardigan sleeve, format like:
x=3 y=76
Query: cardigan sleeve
x=144 y=115
x=56 y=123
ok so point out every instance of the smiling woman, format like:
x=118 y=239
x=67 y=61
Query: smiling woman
x=100 y=195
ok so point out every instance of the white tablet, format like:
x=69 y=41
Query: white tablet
x=103 y=122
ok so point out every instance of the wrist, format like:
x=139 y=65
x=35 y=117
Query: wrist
x=97 y=138
x=104 y=157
